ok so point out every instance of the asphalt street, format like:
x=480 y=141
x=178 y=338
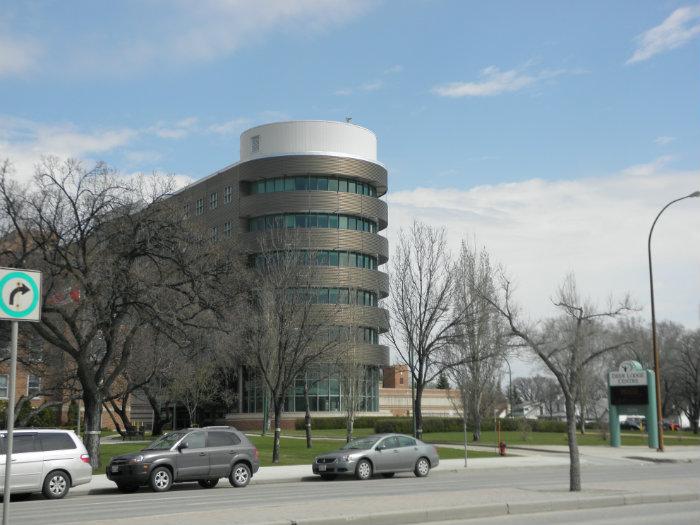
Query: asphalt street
x=189 y=503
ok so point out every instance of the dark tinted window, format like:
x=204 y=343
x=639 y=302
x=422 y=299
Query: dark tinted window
x=406 y=441
x=24 y=443
x=195 y=440
x=221 y=439
x=56 y=441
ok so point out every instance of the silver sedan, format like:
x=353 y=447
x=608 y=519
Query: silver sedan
x=383 y=454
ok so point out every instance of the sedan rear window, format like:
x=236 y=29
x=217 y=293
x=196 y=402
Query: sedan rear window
x=56 y=441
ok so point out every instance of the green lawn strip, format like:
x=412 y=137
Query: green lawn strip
x=108 y=451
x=455 y=453
x=516 y=438
x=338 y=433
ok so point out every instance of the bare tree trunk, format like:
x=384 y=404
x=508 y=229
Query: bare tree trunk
x=307 y=414
x=278 y=432
x=349 y=427
x=464 y=428
x=575 y=465
x=117 y=426
x=418 y=411
x=158 y=421
x=93 y=420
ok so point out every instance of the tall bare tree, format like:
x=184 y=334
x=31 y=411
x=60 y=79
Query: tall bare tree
x=123 y=246
x=478 y=347
x=540 y=390
x=285 y=331
x=566 y=344
x=421 y=308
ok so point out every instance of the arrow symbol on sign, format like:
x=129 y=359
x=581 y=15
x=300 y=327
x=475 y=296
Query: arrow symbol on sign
x=21 y=288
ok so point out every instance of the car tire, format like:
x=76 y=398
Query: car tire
x=328 y=477
x=388 y=474
x=240 y=475
x=422 y=467
x=161 y=479
x=56 y=484
x=127 y=488
x=363 y=470
x=208 y=483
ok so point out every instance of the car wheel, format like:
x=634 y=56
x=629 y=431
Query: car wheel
x=56 y=485
x=328 y=477
x=208 y=483
x=240 y=475
x=127 y=488
x=363 y=470
x=388 y=474
x=422 y=467
x=161 y=479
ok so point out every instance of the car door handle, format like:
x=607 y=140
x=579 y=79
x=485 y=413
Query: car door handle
x=396 y=451
x=202 y=453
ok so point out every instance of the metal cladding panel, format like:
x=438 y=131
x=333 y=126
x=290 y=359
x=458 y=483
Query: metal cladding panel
x=308 y=136
x=315 y=201
x=352 y=315
x=271 y=167
x=368 y=354
x=359 y=278
x=327 y=239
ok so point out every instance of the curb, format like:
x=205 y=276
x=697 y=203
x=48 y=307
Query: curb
x=499 y=509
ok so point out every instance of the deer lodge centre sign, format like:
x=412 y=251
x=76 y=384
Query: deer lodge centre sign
x=631 y=392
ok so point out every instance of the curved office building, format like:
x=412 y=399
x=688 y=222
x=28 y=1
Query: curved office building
x=321 y=180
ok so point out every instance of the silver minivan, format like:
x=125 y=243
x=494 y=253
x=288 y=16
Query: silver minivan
x=50 y=461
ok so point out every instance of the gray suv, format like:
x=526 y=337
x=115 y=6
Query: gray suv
x=197 y=454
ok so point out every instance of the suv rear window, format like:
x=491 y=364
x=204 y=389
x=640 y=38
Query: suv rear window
x=56 y=441
x=217 y=438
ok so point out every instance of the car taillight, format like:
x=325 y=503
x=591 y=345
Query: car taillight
x=256 y=453
x=84 y=458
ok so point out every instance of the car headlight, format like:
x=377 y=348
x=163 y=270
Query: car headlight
x=137 y=459
x=345 y=458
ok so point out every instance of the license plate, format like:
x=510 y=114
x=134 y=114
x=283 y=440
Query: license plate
x=321 y=468
x=115 y=468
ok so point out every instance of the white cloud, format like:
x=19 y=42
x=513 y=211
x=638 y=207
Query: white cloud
x=493 y=81
x=24 y=142
x=182 y=32
x=648 y=169
x=677 y=30
x=393 y=70
x=176 y=130
x=230 y=127
x=663 y=141
x=17 y=55
x=365 y=87
x=595 y=227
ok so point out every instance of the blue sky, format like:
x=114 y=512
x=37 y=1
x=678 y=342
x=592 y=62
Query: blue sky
x=587 y=110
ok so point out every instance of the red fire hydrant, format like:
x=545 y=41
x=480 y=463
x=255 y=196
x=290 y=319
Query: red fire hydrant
x=502 y=448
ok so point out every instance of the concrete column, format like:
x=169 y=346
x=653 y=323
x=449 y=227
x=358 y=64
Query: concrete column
x=614 y=425
x=652 y=421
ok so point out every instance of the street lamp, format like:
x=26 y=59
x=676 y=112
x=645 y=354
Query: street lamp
x=657 y=370
x=510 y=388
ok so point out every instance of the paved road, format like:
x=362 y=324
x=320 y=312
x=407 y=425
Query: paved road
x=286 y=501
x=680 y=513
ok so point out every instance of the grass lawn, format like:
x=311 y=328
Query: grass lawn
x=292 y=451
x=555 y=438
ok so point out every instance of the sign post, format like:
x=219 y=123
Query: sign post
x=20 y=300
x=631 y=391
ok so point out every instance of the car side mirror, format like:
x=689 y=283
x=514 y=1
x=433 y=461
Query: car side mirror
x=181 y=447
x=380 y=448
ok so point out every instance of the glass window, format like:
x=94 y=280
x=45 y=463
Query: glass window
x=352 y=223
x=3 y=385
x=405 y=441
x=214 y=200
x=322 y=296
x=255 y=144
x=56 y=441
x=279 y=184
x=343 y=296
x=352 y=187
x=200 y=206
x=322 y=184
x=333 y=296
x=323 y=220
x=269 y=185
x=311 y=220
x=333 y=221
x=332 y=184
x=333 y=259
x=342 y=222
x=24 y=443
x=344 y=259
x=260 y=186
x=390 y=442
x=260 y=223
x=289 y=221
x=352 y=259
x=214 y=233
x=301 y=221
x=227 y=228
x=227 y=194
x=289 y=184
x=343 y=185
x=195 y=439
x=219 y=438
x=301 y=183
x=33 y=385
x=313 y=183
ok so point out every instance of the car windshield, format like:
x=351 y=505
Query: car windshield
x=361 y=444
x=166 y=441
